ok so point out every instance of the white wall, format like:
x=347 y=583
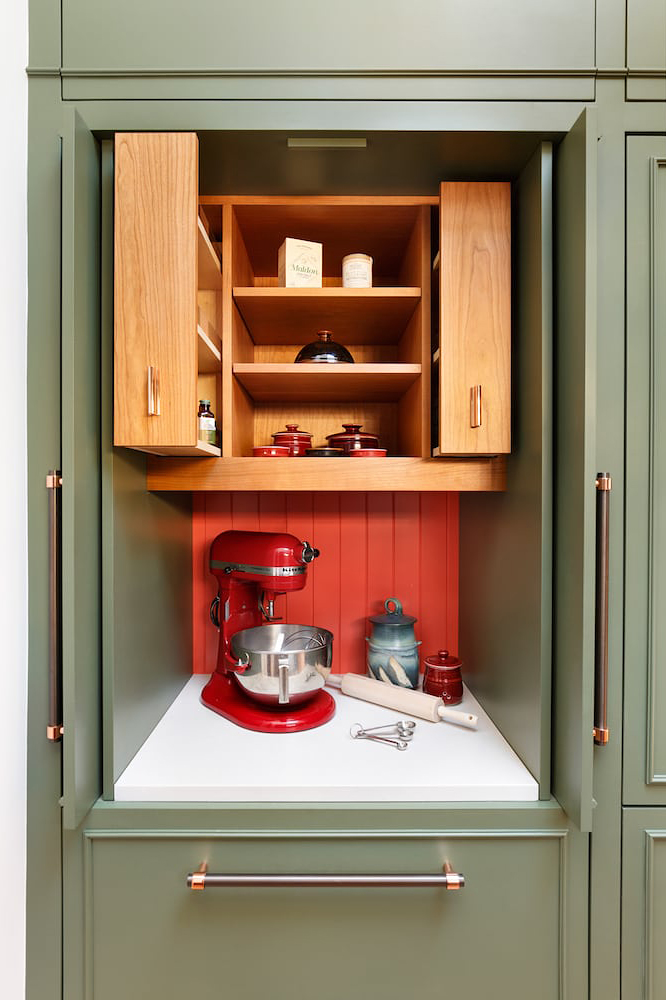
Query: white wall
x=13 y=541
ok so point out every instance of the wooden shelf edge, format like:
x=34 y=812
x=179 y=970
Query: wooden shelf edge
x=258 y=292
x=166 y=453
x=210 y=271
x=342 y=372
x=327 y=382
x=413 y=475
x=210 y=356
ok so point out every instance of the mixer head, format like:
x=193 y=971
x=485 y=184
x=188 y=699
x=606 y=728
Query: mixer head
x=275 y=561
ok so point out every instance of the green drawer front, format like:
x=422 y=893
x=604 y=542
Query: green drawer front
x=148 y=935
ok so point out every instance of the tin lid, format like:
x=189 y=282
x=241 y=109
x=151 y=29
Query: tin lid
x=392 y=617
x=444 y=659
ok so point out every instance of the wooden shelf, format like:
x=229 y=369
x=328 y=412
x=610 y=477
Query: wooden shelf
x=209 y=356
x=321 y=383
x=355 y=315
x=198 y=450
x=210 y=273
x=314 y=474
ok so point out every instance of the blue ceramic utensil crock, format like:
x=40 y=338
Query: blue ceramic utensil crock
x=393 y=646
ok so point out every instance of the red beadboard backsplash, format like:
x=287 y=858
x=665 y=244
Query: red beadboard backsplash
x=373 y=546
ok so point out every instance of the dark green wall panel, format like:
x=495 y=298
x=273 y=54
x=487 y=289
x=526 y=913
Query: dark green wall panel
x=377 y=35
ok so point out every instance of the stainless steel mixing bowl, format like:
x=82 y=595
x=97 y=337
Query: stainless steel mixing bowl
x=288 y=664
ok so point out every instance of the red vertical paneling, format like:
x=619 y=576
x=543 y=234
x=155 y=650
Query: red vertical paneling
x=350 y=641
x=273 y=517
x=381 y=582
x=245 y=511
x=199 y=583
x=211 y=515
x=300 y=522
x=435 y=595
x=452 y=565
x=373 y=546
x=324 y=575
x=407 y=554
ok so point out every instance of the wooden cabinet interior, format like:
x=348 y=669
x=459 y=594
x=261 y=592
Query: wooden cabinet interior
x=249 y=330
x=385 y=327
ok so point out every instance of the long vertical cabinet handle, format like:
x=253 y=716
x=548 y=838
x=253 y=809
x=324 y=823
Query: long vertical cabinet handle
x=54 y=728
x=153 y=391
x=604 y=486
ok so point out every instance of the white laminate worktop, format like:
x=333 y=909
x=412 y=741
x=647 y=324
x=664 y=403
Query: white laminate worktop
x=195 y=755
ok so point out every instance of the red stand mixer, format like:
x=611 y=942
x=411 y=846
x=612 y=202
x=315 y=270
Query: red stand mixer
x=268 y=677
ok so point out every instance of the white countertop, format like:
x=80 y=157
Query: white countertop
x=195 y=755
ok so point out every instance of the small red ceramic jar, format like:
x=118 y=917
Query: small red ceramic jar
x=368 y=453
x=296 y=441
x=352 y=438
x=442 y=677
x=270 y=451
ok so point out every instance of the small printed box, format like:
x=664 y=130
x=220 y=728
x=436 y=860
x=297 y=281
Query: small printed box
x=299 y=264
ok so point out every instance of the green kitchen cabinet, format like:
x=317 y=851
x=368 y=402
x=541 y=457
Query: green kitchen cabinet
x=435 y=47
x=646 y=50
x=435 y=100
x=643 y=904
x=120 y=860
x=142 y=932
x=645 y=643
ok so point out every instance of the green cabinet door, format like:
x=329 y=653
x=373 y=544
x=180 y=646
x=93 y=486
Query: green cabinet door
x=575 y=473
x=81 y=562
x=645 y=623
x=643 y=904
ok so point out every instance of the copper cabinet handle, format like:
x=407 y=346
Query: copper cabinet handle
x=54 y=729
x=202 y=880
x=601 y=734
x=153 y=391
x=475 y=415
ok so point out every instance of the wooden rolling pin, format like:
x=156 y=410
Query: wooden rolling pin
x=423 y=706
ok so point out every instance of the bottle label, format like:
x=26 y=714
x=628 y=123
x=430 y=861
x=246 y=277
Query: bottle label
x=207 y=430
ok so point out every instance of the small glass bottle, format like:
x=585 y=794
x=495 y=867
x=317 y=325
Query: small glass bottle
x=207 y=429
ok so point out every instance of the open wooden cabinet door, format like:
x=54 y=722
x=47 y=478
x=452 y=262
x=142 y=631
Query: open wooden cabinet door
x=575 y=472
x=81 y=549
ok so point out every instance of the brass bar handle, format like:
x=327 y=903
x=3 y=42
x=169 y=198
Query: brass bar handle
x=154 y=409
x=601 y=734
x=54 y=728
x=475 y=414
x=449 y=879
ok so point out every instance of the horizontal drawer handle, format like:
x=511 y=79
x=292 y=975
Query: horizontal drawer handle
x=201 y=879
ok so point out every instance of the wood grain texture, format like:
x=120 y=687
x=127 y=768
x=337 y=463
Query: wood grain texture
x=373 y=546
x=208 y=263
x=294 y=315
x=327 y=418
x=349 y=474
x=319 y=383
x=475 y=316
x=155 y=293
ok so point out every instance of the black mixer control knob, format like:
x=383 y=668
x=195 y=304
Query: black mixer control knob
x=309 y=553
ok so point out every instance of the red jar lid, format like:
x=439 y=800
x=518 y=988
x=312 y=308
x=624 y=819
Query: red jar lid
x=292 y=433
x=352 y=437
x=444 y=660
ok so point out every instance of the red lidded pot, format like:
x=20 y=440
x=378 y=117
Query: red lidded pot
x=442 y=677
x=352 y=438
x=296 y=441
